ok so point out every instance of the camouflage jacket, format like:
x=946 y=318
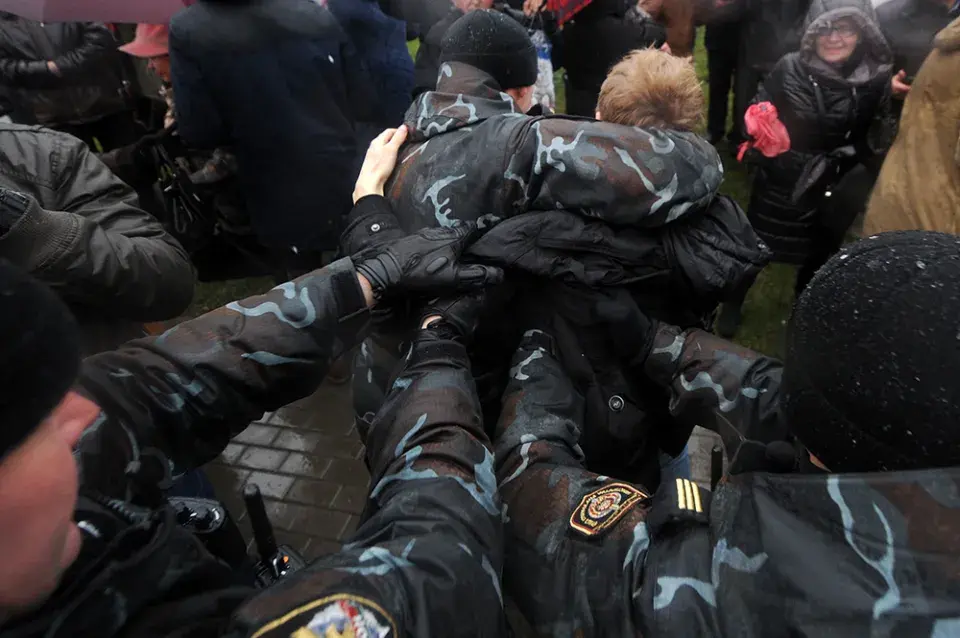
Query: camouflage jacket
x=471 y=156
x=767 y=555
x=431 y=537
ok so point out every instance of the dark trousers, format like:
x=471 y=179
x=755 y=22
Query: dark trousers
x=722 y=59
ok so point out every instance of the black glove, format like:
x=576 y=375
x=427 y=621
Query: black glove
x=459 y=314
x=427 y=261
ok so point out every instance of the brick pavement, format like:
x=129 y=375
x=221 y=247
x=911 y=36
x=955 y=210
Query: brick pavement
x=308 y=461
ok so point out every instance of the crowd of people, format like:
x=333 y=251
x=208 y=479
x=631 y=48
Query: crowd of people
x=524 y=302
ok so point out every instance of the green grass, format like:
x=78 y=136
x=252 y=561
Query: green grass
x=767 y=306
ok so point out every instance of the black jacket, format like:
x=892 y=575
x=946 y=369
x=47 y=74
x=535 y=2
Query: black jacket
x=910 y=26
x=823 y=109
x=293 y=130
x=90 y=84
x=596 y=39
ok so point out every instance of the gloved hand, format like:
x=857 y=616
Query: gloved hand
x=460 y=314
x=426 y=262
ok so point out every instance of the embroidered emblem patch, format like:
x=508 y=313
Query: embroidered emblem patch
x=348 y=617
x=602 y=508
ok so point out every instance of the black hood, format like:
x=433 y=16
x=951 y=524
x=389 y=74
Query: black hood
x=872 y=57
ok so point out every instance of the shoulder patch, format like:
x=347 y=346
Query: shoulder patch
x=601 y=509
x=337 y=616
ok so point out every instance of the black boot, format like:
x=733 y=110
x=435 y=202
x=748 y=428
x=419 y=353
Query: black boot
x=729 y=320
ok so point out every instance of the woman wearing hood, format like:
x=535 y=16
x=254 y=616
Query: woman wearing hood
x=827 y=95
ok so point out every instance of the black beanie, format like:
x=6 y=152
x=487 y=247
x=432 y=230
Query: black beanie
x=871 y=381
x=39 y=355
x=495 y=43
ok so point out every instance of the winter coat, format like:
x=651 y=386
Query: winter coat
x=381 y=42
x=919 y=185
x=840 y=555
x=910 y=26
x=430 y=537
x=280 y=84
x=653 y=237
x=89 y=85
x=823 y=110
x=596 y=39
x=112 y=263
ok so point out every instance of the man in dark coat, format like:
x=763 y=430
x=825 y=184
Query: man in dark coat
x=431 y=536
x=280 y=83
x=768 y=554
x=65 y=75
x=722 y=41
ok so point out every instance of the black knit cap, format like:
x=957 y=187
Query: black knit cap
x=39 y=354
x=872 y=375
x=495 y=43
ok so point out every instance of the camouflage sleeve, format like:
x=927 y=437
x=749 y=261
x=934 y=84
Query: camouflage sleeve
x=623 y=175
x=717 y=384
x=574 y=541
x=190 y=390
x=426 y=560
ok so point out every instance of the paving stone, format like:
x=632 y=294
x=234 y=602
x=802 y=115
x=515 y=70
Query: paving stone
x=349 y=528
x=271 y=485
x=257 y=434
x=299 y=542
x=319 y=548
x=350 y=498
x=322 y=523
x=305 y=465
x=316 y=493
x=261 y=458
x=231 y=453
x=347 y=472
x=297 y=440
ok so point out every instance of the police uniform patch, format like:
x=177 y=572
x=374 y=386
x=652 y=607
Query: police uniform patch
x=601 y=509
x=348 y=617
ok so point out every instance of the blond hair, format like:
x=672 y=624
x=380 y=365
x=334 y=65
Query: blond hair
x=650 y=87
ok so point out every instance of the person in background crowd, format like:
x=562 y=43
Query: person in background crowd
x=919 y=185
x=910 y=26
x=280 y=84
x=72 y=224
x=104 y=565
x=67 y=76
x=770 y=554
x=427 y=66
x=828 y=95
x=722 y=40
x=381 y=43
x=769 y=29
x=597 y=38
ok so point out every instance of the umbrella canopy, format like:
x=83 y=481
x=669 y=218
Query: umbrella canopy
x=152 y=11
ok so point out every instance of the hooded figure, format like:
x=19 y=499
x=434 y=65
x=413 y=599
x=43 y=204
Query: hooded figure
x=827 y=95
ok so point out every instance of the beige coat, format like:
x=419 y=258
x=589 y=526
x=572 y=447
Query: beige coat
x=919 y=186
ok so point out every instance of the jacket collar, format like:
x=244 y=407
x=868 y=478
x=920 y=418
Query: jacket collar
x=465 y=95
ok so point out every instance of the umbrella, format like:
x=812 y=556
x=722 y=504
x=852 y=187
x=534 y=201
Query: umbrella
x=151 y=11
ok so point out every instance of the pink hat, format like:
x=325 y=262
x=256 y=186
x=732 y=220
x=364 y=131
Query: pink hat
x=151 y=41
